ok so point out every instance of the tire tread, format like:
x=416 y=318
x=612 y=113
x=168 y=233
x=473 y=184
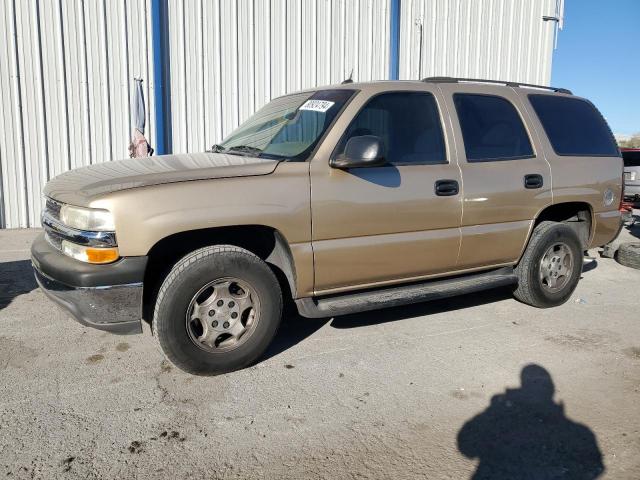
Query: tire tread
x=628 y=254
x=525 y=291
x=184 y=263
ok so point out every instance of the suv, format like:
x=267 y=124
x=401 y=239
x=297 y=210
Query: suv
x=631 y=158
x=341 y=199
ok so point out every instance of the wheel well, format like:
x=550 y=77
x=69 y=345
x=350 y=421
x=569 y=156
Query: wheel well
x=265 y=242
x=575 y=214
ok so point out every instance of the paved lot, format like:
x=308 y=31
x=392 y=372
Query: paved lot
x=389 y=394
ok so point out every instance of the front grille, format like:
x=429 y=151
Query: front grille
x=53 y=208
x=51 y=211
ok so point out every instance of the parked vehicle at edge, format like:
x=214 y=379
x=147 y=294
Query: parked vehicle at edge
x=341 y=199
x=631 y=159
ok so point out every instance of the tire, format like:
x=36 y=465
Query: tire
x=629 y=255
x=195 y=287
x=559 y=241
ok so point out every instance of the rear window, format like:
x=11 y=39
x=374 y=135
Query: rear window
x=574 y=126
x=491 y=128
x=631 y=159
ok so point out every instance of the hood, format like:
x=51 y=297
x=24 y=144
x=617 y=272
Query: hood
x=79 y=186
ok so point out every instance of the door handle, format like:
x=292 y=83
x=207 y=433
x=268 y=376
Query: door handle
x=446 y=188
x=533 y=181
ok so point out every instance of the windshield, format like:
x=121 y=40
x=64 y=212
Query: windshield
x=288 y=127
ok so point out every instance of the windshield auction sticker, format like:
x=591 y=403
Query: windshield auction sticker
x=317 y=105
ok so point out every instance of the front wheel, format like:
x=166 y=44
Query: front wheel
x=217 y=310
x=550 y=268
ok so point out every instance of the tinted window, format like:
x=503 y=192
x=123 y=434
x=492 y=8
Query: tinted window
x=408 y=125
x=491 y=128
x=631 y=158
x=574 y=126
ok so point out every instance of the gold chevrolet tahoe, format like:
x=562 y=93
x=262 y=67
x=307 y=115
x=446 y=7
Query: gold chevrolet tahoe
x=339 y=199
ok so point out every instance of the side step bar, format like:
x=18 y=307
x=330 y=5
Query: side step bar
x=343 y=304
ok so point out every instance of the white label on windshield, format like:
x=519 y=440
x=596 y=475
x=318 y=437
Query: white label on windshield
x=317 y=105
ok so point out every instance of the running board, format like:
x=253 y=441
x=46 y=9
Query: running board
x=343 y=304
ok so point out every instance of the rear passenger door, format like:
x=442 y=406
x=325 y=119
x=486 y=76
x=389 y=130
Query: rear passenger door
x=506 y=178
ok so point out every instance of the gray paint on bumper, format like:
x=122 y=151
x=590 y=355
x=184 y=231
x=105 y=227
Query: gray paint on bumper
x=114 y=308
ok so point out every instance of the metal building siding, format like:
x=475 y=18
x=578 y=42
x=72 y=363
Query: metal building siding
x=492 y=39
x=67 y=68
x=229 y=58
x=66 y=81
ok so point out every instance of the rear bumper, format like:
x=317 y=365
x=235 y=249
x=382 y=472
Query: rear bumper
x=607 y=227
x=106 y=297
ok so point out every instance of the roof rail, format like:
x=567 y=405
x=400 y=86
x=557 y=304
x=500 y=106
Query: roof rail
x=501 y=82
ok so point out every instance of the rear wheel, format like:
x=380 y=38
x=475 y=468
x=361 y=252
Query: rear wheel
x=217 y=310
x=550 y=268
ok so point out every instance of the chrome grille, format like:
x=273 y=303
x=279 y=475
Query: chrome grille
x=53 y=208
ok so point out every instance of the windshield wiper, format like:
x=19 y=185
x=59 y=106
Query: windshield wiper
x=215 y=148
x=244 y=149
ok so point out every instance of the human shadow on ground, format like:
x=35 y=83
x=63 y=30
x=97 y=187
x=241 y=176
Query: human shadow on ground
x=524 y=434
x=16 y=278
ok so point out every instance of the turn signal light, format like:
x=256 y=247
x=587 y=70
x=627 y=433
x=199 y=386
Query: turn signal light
x=102 y=255
x=90 y=254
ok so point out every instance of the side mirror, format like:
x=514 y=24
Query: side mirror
x=364 y=151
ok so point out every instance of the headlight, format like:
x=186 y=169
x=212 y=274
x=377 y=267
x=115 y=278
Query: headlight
x=92 y=219
x=89 y=254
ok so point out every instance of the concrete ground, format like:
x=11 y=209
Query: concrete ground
x=429 y=391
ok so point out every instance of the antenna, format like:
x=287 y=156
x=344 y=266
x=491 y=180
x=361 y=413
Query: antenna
x=348 y=80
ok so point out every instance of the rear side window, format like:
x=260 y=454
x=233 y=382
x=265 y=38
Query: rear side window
x=408 y=123
x=574 y=126
x=491 y=128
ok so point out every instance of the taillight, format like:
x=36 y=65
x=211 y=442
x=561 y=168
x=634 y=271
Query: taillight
x=622 y=192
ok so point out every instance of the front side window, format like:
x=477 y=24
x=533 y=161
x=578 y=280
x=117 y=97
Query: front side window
x=407 y=123
x=574 y=126
x=492 y=130
x=288 y=127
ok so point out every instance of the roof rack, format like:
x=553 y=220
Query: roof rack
x=500 y=82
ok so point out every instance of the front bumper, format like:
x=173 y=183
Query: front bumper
x=106 y=297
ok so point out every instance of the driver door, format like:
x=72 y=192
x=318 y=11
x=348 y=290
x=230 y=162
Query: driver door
x=386 y=224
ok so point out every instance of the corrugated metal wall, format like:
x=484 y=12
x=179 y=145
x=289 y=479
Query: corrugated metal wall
x=229 y=58
x=66 y=80
x=67 y=68
x=492 y=39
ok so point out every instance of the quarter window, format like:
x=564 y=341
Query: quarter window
x=491 y=128
x=574 y=126
x=407 y=123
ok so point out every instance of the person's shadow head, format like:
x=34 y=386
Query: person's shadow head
x=524 y=434
x=536 y=383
